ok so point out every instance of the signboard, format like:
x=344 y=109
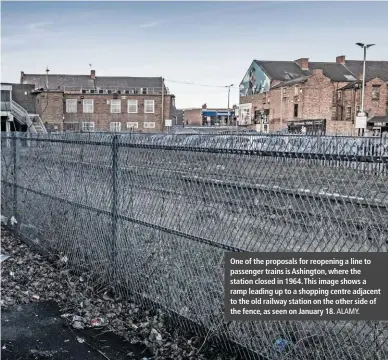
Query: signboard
x=168 y=122
x=245 y=116
x=379 y=124
x=360 y=122
x=307 y=123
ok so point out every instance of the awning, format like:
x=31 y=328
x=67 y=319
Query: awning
x=378 y=121
x=209 y=113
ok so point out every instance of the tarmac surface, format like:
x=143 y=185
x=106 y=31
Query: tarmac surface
x=36 y=331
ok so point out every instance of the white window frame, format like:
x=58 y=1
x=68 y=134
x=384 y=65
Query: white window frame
x=115 y=104
x=145 y=106
x=132 y=102
x=132 y=125
x=88 y=106
x=116 y=126
x=71 y=106
x=149 y=125
x=88 y=126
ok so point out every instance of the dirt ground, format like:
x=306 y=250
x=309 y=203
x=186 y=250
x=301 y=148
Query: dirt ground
x=48 y=312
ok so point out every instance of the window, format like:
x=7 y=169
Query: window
x=348 y=112
x=88 y=106
x=375 y=92
x=88 y=126
x=296 y=108
x=339 y=95
x=115 y=126
x=71 y=105
x=149 y=125
x=334 y=113
x=144 y=91
x=149 y=106
x=115 y=106
x=132 y=125
x=296 y=89
x=132 y=106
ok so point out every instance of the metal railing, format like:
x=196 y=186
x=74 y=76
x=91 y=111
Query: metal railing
x=35 y=124
x=155 y=215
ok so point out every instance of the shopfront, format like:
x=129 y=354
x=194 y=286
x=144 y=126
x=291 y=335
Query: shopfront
x=217 y=117
x=307 y=127
x=378 y=125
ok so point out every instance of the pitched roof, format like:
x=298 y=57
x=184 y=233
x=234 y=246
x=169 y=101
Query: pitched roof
x=334 y=71
x=281 y=70
x=291 y=82
x=348 y=72
x=352 y=85
x=373 y=69
x=86 y=82
x=58 y=81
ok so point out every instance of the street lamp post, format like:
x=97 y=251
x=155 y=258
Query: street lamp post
x=365 y=47
x=229 y=101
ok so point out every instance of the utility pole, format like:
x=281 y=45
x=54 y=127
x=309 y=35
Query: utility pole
x=362 y=112
x=229 y=101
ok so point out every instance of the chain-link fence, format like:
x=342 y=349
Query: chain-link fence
x=154 y=215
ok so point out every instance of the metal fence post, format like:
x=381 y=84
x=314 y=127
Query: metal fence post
x=115 y=173
x=16 y=161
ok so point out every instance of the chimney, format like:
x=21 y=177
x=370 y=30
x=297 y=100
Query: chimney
x=93 y=74
x=47 y=83
x=340 y=59
x=303 y=63
x=21 y=77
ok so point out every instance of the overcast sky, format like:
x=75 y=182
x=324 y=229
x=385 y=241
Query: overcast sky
x=208 y=43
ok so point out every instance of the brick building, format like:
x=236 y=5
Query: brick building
x=208 y=116
x=100 y=103
x=316 y=97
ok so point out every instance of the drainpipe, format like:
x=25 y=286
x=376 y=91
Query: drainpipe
x=281 y=108
x=163 y=103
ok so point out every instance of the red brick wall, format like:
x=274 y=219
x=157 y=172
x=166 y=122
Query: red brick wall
x=52 y=108
x=193 y=117
x=49 y=106
x=376 y=107
x=316 y=100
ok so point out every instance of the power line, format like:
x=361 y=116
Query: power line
x=190 y=83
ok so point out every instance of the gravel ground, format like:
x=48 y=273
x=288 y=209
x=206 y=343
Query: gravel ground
x=27 y=277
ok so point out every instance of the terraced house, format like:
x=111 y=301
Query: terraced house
x=100 y=103
x=314 y=97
